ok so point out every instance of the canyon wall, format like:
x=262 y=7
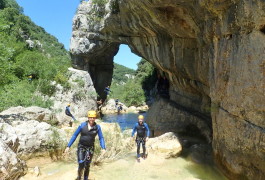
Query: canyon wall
x=212 y=52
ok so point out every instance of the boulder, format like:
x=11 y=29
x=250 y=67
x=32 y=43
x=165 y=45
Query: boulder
x=117 y=144
x=166 y=145
x=30 y=43
x=20 y=113
x=9 y=136
x=81 y=95
x=11 y=167
x=38 y=138
x=132 y=109
x=111 y=108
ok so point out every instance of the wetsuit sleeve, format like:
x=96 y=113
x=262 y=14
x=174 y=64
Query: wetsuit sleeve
x=147 y=129
x=73 y=138
x=101 y=138
x=134 y=129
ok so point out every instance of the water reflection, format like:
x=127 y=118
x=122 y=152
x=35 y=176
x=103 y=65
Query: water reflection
x=126 y=121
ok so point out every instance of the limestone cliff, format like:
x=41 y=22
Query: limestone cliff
x=212 y=51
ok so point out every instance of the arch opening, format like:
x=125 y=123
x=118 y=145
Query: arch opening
x=133 y=79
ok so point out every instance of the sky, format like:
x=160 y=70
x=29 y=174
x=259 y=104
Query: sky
x=55 y=16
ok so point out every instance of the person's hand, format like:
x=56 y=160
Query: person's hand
x=147 y=138
x=102 y=154
x=103 y=151
x=66 y=151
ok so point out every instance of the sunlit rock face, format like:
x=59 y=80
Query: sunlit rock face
x=212 y=52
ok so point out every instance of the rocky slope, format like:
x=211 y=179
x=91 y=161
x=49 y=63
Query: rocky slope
x=81 y=96
x=212 y=52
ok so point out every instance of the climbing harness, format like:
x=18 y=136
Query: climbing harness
x=140 y=140
x=89 y=151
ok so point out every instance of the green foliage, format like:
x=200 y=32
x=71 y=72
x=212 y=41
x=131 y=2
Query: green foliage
x=98 y=10
x=55 y=145
x=115 y=7
x=62 y=78
x=146 y=74
x=135 y=91
x=47 y=61
x=46 y=88
x=10 y=3
x=55 y=140
x=92 y=94
x=21 y=94
x=130 y=93
x=79 y=95
x=100 y=2
x=119 y=72
x=80 y=82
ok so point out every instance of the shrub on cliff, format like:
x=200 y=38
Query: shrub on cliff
x=27 y=50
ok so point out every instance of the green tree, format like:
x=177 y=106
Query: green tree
x=134 y=91
x=134 y=94
x=47 y=61
x=119 y=73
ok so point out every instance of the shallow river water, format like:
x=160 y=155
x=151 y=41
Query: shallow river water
x=127 y=168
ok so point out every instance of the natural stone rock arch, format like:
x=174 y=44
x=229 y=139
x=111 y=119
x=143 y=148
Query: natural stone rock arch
x=213 y=54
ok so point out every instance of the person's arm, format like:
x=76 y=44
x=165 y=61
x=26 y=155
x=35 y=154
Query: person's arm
x=78 y=130
x=134 y=129
x=101 y=138
x=147 y=129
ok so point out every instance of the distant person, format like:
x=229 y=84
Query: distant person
x=142 y=130
x=68 y=113
x=30 y=78
x=119 y=108
x=88 y=131
x=116 y=103
x=100 y=104
x=107 y=90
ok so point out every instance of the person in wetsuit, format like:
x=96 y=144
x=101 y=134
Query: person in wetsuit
x=107 y=90
x=85 y=150
x=142 y=136
x=68 y=113
x=119 y=108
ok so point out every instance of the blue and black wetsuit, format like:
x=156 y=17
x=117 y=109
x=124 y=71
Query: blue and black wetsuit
x=85 y=148
x=68 y=112
x=107 y=90
x=142 y=132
